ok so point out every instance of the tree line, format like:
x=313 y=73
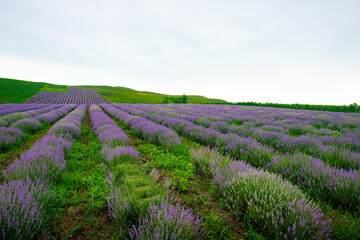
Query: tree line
x=180 y=99
x=352 y=108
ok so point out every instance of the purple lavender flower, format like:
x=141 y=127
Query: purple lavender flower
x=119 y=155
x=109 y=134
x=168 y=221
x=9 y=137
x=144 y=128
x=27 y=125
x=339 y=186
x=268 y=200
x=45 y=160
x=23 y=208
x=70 y=125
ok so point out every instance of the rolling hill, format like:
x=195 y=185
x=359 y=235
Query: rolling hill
x=19 y=91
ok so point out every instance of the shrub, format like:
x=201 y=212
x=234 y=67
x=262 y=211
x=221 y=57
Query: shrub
x=338 y=185
x=275 y=205
x=9 y=137
x=119 y=155
x=28 y=125
x=45 y=160
x=23 y=209
x=168 y=221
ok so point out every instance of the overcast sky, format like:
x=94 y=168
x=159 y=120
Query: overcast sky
x=289 y=51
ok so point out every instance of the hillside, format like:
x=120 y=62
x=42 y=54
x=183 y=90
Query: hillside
x=19 y=91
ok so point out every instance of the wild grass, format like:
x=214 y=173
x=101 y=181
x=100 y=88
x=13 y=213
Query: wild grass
x=17 y=91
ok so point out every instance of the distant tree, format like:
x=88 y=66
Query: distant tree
x=176 y=99
x=166 y=100
x=180 y=99
x=184 y=98
x=354 y=107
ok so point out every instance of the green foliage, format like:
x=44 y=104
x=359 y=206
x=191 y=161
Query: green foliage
x=348 y=230
x=131 y=192
x=82 y=189
x=216 y=228
x=176 y=163
x=346 y=225
x=251 y=235
x=354 y=108
x=180 y=99
x=54 y=88
x=16 y=91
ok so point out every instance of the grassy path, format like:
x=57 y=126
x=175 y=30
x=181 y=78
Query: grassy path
x=82 y=212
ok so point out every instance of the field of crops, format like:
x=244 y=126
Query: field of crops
x=74 y=95
x=176 y=171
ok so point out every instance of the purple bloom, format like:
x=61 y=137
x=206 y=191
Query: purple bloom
x=23 y=208
x=168 y=221
x=45 y=160
x=110 y=135
x=120 y=155
x=9 y=136
x=27 y=125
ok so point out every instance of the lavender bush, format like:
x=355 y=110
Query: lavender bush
x=56 y=114
x=121 y=206
x=216 y=166
x=115 y=156
x=29 y=125
x=45 y=160
x=153 y=132
x=71 y=124
x=275 y=205
x=13 y=117
x=146 y=129
x=23 y=206
x=109 y=134
x=9 y=137
x=341 y=187
x=9 y=108
x=168 y=221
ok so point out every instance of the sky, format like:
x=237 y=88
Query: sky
x=284 y=51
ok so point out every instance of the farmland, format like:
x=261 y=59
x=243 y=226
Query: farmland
x=19 y=91
x=176 y=171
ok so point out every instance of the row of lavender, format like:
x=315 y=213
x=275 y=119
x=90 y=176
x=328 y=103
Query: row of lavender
x=74 y=95
x=329 y=128
x=12 y=108
x=339 y=186
x=272 y=117
x=14 y=125
x=272 y=202
x=333 y=155
x=161 y=219
x=292 y=131
x=26 y=196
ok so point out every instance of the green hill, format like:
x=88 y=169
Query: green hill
x=19 y=91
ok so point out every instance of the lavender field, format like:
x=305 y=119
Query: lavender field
x=73 y=95
x=81 y=168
